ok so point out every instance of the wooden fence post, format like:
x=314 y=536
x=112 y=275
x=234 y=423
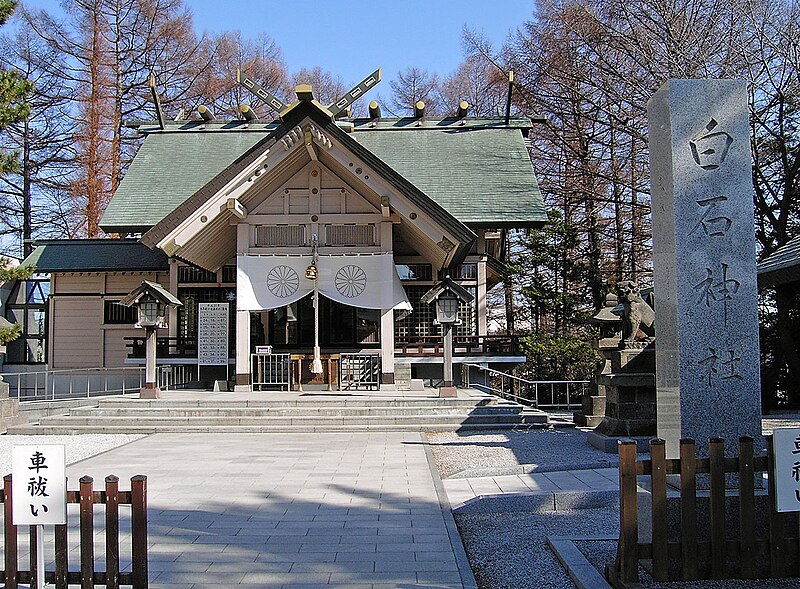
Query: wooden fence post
x=627 y=565
x=61 y=550
x=776 y=520
x=747 y=515
x=139 y=524
x=688 y=457
x=112 y=532
x=87 y=532
x=658 y=475
x=9 y=536
x=716 y=450
x=33 y=548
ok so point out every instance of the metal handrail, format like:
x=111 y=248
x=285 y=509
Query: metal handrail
x=535 y=400
x=73 y=383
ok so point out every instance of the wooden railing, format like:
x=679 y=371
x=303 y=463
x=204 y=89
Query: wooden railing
x=481 y=345
x=87 y=576
x=714 y=553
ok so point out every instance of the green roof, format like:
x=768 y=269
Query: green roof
x=95 y=255
x=478 y=170
x=480 y=175
x=167 y=170
x=782 y=266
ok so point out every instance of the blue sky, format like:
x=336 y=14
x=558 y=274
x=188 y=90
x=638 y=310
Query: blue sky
x=352 y=39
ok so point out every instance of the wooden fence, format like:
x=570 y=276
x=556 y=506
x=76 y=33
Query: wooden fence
x=88 y=576
x=740 y=547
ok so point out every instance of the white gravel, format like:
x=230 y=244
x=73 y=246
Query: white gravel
x=465 y=454
x=77 y=447
x=509 y=551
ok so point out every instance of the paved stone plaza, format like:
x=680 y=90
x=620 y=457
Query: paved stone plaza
x=306 y=510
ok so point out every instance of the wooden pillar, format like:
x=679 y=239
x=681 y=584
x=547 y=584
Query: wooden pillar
x=387 y=346
x=447 y=389
x=482 y=326
x=242 y=351
x=150 y=389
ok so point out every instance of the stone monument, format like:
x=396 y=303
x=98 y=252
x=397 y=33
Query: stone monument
x=707 y=358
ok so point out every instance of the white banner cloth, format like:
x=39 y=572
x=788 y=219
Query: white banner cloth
x=368 y=281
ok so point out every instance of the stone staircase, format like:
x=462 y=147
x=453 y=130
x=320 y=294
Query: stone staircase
x=125 y=415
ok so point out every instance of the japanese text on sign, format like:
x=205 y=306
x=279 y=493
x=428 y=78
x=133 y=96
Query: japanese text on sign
x=786 y=445
x=39 y=485
x=212 y=334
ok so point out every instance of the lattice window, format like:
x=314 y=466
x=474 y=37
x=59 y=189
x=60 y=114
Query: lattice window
x=280 y=235
x=350 y=234
x=195 y=275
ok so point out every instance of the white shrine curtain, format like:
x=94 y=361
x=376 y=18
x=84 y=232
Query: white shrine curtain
x=369 y=281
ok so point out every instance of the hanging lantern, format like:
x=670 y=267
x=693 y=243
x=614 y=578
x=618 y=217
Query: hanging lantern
x=447 y=307
x=152 y=313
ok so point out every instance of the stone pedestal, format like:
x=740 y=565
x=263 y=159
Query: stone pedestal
x=630 y=399
x=9 y=409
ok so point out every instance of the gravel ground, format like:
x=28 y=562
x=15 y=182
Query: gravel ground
x=508 y=551
x=77 y=447
x=601 y=553
x=548 y=449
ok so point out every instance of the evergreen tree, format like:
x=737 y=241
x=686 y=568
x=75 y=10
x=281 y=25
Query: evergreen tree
x=13 y=92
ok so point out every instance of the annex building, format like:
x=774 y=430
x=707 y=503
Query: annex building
x=239 y=212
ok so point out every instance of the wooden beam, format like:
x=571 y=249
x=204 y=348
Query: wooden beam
x=156 y=101
x=256 y=88
x=205 y=113
x=248 y=113
x=304 y=92
x=463 y=108
x=419 y=110
x=385 y=211
x=508 y=99
x=374 y=110
x=308 y=137
x=359 y=89
x=237 y=208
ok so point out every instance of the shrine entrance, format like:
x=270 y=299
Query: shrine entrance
x=344 y=331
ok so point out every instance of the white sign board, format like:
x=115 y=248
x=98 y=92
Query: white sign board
x=786 y=445
x=39 y=485
x=212 y=334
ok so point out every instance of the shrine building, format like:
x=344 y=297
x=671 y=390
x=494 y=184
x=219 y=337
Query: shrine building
x=262 y=217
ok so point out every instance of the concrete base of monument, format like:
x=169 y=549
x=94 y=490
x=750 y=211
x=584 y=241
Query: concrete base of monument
x=608 y=444
x=242 y=388
x=448 y=392
x=149 y=392
x=9 y=410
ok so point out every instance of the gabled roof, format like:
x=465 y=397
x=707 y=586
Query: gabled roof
x=95 y=255
x=476 y=169
x=782 y=266
x=302 y=111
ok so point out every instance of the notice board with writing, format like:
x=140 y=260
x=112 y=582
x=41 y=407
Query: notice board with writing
x=212 y=334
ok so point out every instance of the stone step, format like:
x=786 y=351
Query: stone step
x=138 y=429
x=280 y=420
x=196 y=412
x=312 y=400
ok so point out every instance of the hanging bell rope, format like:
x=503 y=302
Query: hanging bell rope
x=316 y=363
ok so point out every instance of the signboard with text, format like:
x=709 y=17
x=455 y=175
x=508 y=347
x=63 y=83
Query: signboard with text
x=786 y=446
x=212 y=334
x=39 y=485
